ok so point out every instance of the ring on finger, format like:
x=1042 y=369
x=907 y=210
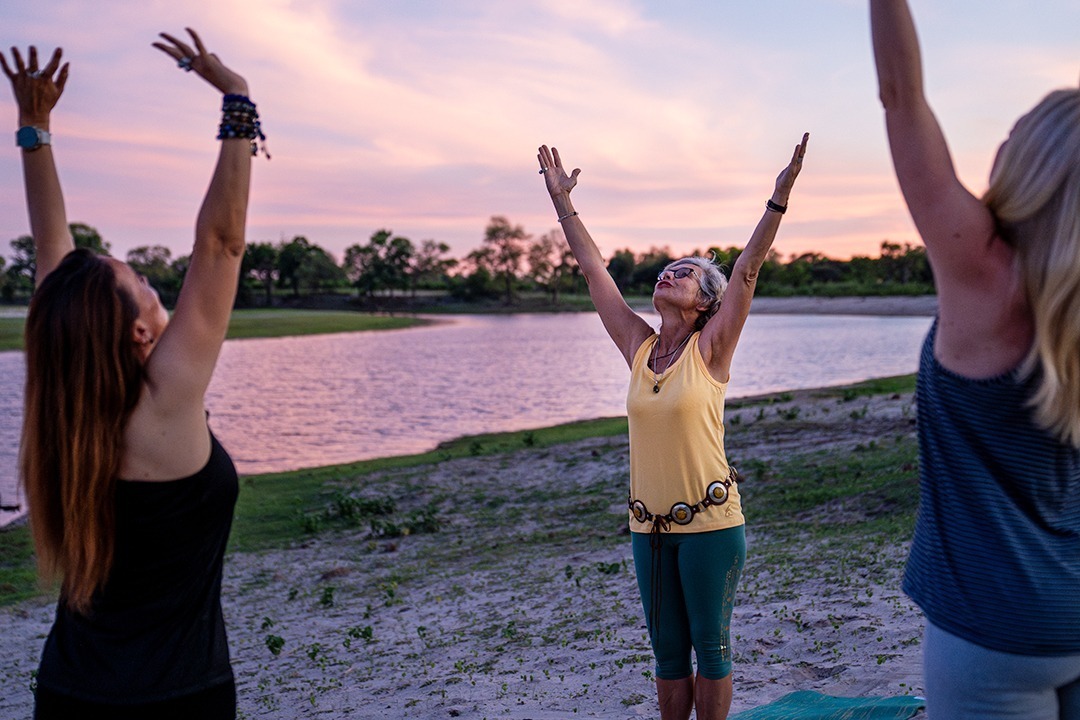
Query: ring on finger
x=184 y=64
x=35 y=73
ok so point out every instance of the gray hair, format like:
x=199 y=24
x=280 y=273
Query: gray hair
x=711 y=284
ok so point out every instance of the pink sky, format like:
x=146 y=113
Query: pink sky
x=424 y=117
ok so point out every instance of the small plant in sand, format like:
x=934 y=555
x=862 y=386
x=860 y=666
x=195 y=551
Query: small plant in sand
x=275 y=644
x=790 y=413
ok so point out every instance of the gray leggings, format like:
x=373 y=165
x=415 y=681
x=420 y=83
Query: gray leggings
x=965 y=681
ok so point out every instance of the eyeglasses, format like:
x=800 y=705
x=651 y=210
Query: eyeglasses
x=678 y=273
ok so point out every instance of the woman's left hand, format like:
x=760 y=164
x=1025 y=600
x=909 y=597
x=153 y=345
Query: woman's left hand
x=36 y=90
x=206 y=64
x=786 y=179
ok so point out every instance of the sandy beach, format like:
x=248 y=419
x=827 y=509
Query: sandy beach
x=523 y=603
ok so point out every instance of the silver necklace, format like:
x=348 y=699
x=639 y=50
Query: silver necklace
x=671 y=359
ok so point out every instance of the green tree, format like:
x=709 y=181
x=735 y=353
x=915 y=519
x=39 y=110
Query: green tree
x=260 y=263
x=155 y=262
x=88 y=237
x=551 y=263
x=290 y=258
x=477 y=280
x=507 y=244
x=23 y=266
x=621 y=268
x=430 y=265
x=649 y=265
x=384 y=263
x=318 y=270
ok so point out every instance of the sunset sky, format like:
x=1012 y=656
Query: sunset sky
x=424 y=116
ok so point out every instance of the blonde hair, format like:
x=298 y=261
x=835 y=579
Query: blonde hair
x=83 y=378
x=1034 y=195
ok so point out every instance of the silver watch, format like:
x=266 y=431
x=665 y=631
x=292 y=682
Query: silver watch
x=30 y=138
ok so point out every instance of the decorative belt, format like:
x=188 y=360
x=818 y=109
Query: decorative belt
x=682 y=513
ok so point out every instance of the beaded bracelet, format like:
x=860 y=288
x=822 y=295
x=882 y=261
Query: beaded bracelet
x=567 y=215
x=240 y=119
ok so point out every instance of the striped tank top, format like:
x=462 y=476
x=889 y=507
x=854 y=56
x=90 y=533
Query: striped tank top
x=996 y=555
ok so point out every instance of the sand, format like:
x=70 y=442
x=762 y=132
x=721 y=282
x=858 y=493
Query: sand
x=524 y=604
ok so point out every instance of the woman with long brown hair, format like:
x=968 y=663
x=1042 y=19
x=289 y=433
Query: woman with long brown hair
x=995 y=561
x=130 y=495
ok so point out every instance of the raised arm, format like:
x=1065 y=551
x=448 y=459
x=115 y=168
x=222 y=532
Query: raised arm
x=179 y=369
x=626 y=328
x=955 y=226
x=37 y=91
x=721 y=333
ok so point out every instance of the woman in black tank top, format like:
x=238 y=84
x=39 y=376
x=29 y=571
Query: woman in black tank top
x=130 y=496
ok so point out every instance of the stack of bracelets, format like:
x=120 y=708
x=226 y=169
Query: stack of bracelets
x=240 y=119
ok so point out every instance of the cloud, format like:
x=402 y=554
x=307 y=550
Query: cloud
x=425 y=116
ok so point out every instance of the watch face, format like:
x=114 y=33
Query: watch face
x=27 y=138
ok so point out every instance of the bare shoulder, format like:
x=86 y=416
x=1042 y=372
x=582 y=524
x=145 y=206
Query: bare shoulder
x=162 y=443
x=985 y=325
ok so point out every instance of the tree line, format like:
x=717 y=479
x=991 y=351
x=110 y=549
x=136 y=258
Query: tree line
x=508 y=262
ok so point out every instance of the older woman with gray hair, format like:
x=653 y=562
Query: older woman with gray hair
x=685 y=514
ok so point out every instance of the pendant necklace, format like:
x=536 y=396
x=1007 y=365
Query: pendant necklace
x=671 y=359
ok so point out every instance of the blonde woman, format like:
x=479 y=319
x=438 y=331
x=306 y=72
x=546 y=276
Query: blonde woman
x=130 y=494
x=995 y=562
x=685 y=514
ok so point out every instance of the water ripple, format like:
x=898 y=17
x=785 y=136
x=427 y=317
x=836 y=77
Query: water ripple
x=286 y=403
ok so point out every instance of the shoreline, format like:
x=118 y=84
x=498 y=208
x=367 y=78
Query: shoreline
x=888 y=306
x=519 y=600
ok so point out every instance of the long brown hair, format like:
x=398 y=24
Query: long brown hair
x=83 y=379
x=1034 y=195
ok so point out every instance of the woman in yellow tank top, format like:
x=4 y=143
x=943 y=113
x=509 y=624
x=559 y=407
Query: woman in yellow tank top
x=685 y=514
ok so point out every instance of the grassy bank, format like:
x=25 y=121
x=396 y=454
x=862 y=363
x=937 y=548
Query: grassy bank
x=281 y=509
x=262 y=323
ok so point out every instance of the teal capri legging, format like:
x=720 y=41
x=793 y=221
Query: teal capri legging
x=687 y=587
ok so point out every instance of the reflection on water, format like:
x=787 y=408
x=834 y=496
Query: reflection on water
x=286 y=403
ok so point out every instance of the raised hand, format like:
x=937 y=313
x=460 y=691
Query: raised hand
x=786 y=179
x=558 y=182
x=36 y=90
x=208 y=66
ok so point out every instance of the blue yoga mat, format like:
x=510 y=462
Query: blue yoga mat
x=808 y=705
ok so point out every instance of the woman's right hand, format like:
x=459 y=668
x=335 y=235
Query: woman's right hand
x=208 y=66
x=558 y=182
x=36 y=90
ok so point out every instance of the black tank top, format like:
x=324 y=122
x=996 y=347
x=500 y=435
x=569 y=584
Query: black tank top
x=155 y=631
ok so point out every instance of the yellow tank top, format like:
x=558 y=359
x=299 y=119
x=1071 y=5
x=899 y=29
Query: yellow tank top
x=677 y=440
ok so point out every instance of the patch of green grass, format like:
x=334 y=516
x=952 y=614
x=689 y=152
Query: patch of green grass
x=269 y=506
x=281 y=323
x=876 y=487
x=876 y=386
x=18 y=576
x=11 y=333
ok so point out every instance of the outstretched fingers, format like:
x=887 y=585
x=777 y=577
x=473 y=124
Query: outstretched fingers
x=800 y=149
x=198 y=41
x=54 y=62
x=178 y=50
x=20 y=66
x=545 y=158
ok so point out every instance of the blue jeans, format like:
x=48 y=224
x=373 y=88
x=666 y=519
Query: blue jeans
x=687 y=587
x=965 y=681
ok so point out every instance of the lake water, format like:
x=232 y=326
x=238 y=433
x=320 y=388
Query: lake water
x=287 y=403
